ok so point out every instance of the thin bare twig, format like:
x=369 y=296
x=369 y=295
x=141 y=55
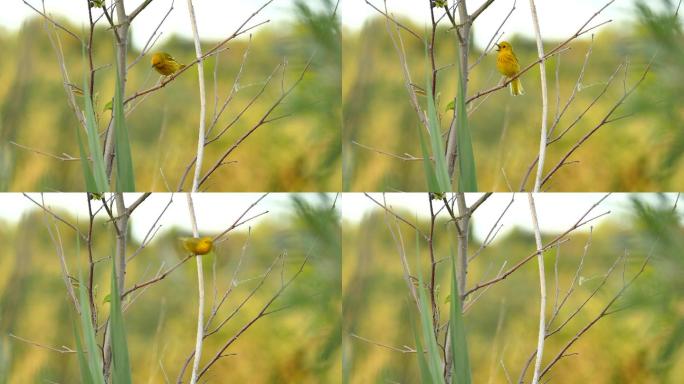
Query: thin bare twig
x=56 y=216
x=388 y=210
x=405 y=156
x=403 y=349
x=581 y=31
x=157 y=278
x=604 y=312
x=261 y=122
x=241 y=30
x=604 y=121
x=62 y=349
x=263 y=312
x=62 y=157
x=579 y=223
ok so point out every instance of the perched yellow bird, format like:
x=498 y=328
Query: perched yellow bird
x=163 y=63
x=507 y=64
x=197 y=246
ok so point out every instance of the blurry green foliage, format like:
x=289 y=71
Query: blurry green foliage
x=661 y=227
x=659 y=39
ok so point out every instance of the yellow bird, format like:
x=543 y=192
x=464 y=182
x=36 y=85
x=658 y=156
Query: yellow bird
x=507 y=64
x=163 y=63
x=197 y=246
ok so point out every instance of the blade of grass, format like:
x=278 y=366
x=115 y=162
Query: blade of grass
x=82 y=362
x=93 y=141
x=459 y=344
x=125 y=180
x=434 y=361
x=94 y=148
x=433 y=185
x=85 y=164
x=467 y=179
x=436 y=142
x=94 y=357
x=425 y=376
x=120 y=359
x=433 y=357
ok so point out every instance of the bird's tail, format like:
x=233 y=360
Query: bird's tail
x=517 y=88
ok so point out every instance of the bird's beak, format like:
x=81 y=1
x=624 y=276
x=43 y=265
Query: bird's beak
x=498 y=47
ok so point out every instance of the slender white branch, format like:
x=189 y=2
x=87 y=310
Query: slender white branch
x=200 y=304
x=545 y=98
x=203 y=98
x=542 y=288
x=195 y=184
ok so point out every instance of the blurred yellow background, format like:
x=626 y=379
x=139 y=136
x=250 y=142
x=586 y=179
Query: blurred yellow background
x=298 y=151
x=641 y=342
x=298 y=342
x=639 y=151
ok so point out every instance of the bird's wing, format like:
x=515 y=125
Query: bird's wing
x=516 y=61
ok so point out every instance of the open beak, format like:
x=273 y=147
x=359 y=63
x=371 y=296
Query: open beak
x=498 y=47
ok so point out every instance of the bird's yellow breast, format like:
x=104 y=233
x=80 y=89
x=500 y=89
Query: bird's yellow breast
x=196 y=246
x=203 y=247
x=165 y=64
x=507 y=63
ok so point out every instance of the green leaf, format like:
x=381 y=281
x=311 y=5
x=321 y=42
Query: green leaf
x=125 y=180
x=82 y=362
x=467 y=179
x=433 y=357
x=427 y=164
x=425 y=376
x=85 y=164
x=121 y=366
x=459 y=344
x=437 y=144
x=94 y=360
x=94 y=147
